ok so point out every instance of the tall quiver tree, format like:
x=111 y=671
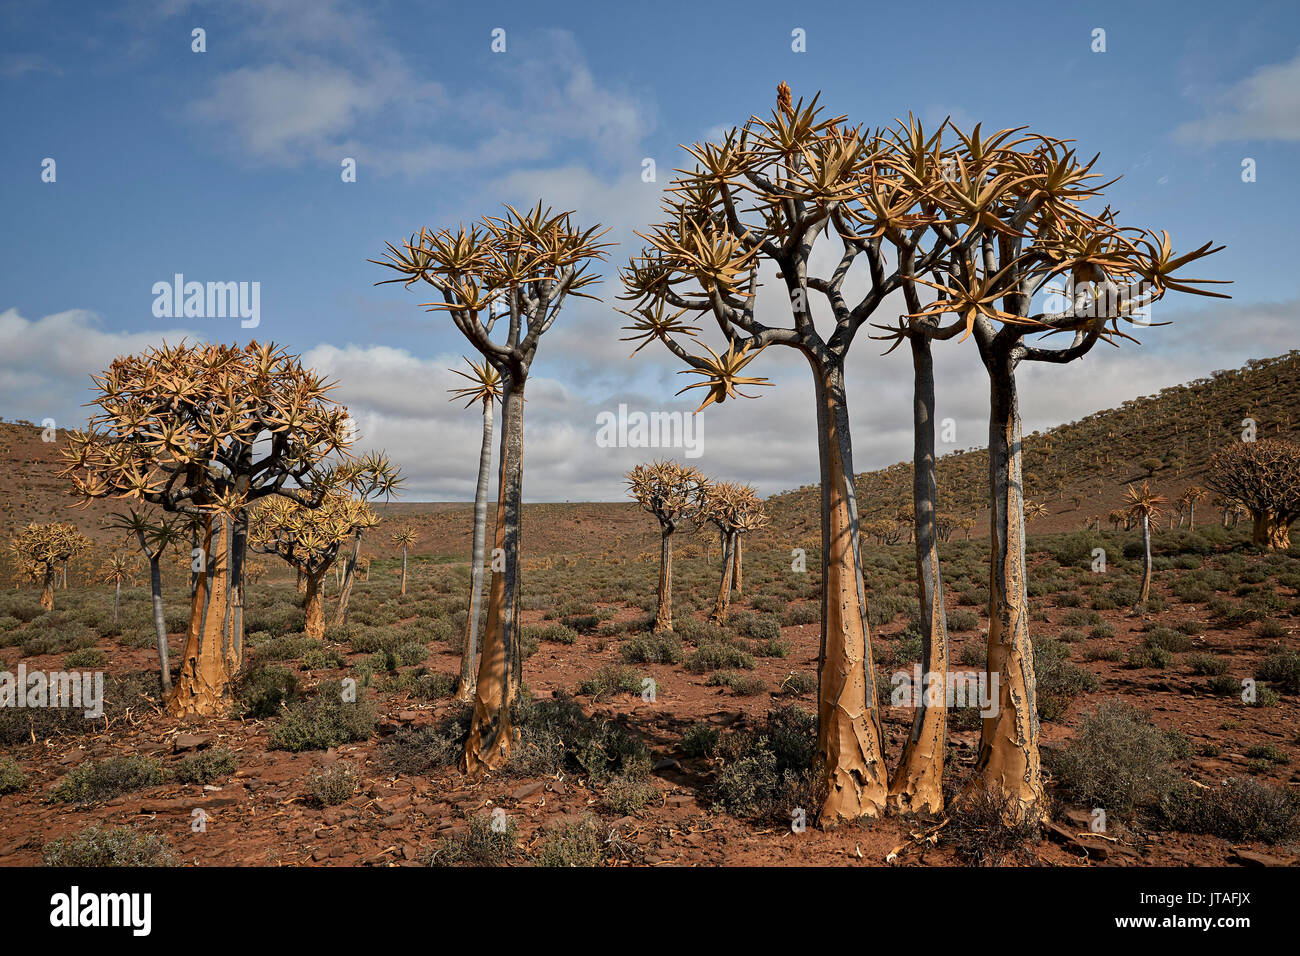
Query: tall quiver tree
x=404 y=538
x=1144 y=506
x=1001 y=218
x=206 y=430
x=153 y=538
x=1263 y=477
x=485 y=388
x=509 y=275
x=309 y=540
x=670 y=492
x=917 y=786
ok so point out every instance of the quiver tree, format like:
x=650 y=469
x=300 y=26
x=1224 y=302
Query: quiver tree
x=368 y=478
x=309 y=539
x=404 y=538
x=206 y=431
x=118 y=568
x=734 y=510
x=1263 y=477
x=153 y=538
x=484 y=388
x=1144 y=506
x=1035 y=510
x=986 y=223
x=670 y=492
x=507 y=276
x=42 y=549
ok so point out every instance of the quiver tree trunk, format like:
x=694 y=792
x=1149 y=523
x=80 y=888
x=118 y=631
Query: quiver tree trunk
x=403 y=570
x=117 y=597
x=1008 y=760
x=723 y=603
x=664 y=616
x=1146 y=560
x=737 y=564
x=314 y=605
x=160 y=621
x=214 y=640
x=470 y=640
x=349 y=576
x=1269 y=531
x=850 y=750
x=47 y=589
x=491 y=736
x=918 y=783
x=302 y=582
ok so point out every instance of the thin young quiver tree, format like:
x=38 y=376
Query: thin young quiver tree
x=404 y=538
x=117 y=568
x=1144 y=506
x=369 y=478
x=485 y=389
x=508 y=276
x=670 y=492
x=153 y=538
x=206 y=430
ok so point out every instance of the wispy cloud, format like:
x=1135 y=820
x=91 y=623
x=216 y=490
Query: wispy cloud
x=1263 y=106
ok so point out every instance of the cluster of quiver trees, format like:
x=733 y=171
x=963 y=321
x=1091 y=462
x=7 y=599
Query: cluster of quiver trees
x=968 y=229
x=961 y=232
x=207 y=433
x=675 y=494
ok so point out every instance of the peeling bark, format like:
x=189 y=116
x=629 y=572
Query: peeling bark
x=850 y=749
x=314 y=605
x=491 y=736
x=213 y=651
x=664 y=615
x=1009 y=757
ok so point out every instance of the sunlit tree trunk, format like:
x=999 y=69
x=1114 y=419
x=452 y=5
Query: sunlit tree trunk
x=469 y=643
x=918 y=783
x=1008 y=757
x=491 y=736
x=314 y=604
x=117 y=597
x=723 y=603
x=349 y=575
x=47 y=590
x=664 y=616
x=1270 y=531
x=403 y=569
x=850 y=749
x=302 y=582
x=214 y=644
x=737 y=560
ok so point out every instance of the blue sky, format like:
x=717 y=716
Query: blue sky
x=225 y=166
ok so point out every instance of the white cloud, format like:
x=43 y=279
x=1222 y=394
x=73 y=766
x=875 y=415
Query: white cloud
x=1263 y=106
x=401 y=402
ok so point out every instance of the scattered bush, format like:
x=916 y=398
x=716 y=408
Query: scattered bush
x=113 y=846
x=323 y=721
x=112 y=777
x=1118 y=759
x=206 y=766
x=333 y=785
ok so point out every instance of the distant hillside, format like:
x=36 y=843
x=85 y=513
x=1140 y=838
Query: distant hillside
x=1078 y=470
x=1082 y=468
